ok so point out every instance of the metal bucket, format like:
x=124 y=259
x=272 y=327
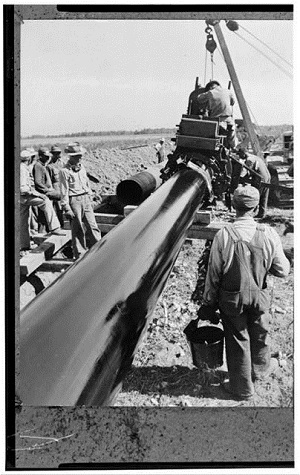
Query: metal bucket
x=206 y=344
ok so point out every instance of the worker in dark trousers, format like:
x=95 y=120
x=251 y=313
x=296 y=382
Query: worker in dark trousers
x=160 y=150
x=42 y=181
x=53 y=167
x=241 y=256
x=258 y=165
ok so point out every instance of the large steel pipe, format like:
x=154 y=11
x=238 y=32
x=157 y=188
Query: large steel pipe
x=135 y=189
x=78 y=337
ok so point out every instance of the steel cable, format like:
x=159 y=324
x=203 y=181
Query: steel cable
x=205 y=66
x=265 y=44
x=266 y=56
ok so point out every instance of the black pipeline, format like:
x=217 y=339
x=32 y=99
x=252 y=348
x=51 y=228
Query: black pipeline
x=78 y=337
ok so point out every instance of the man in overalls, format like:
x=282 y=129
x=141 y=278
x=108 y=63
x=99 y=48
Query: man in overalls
x=242 y=254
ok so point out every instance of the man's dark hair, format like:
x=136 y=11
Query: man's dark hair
x=210 y=84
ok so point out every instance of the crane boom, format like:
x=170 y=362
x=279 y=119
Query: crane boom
x=237 y=88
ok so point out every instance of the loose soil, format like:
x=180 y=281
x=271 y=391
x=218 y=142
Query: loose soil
x=163 y=373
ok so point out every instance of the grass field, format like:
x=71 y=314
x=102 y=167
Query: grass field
x=95 y=142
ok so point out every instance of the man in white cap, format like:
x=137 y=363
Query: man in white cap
x=29 y=196
x=241 y=256
x=34 y=156
x=160 y=150
x=75 y=201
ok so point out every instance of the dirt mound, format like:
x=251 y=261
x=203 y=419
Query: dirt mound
x=110 y=166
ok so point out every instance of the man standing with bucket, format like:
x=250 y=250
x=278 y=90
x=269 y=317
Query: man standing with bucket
x=242 y=254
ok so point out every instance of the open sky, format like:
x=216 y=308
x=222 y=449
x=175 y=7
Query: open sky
x=100 y=75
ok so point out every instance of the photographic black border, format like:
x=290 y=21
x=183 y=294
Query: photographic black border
x=14 y=15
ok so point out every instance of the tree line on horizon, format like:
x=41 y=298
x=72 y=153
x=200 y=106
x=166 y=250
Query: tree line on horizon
x=147 y=131
x=275 y=130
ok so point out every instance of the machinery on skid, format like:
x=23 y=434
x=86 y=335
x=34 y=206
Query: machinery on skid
x=202 y=142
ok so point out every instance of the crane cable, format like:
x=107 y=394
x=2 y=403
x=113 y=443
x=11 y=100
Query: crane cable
x=212 y=65
x=210 y=46
x=265 y=44
x=266 y=56
x=253 y=116
x=205 y=66
x=282 y=69
x=221 y=54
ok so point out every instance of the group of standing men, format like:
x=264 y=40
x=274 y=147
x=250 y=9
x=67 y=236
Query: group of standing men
x=51 y=189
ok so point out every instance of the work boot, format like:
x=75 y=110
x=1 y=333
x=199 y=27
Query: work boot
x=273 y=367
x=227 y=388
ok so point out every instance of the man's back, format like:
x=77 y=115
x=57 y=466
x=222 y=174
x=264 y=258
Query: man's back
x=220 y=102
x=258 y=165
x=246 y=228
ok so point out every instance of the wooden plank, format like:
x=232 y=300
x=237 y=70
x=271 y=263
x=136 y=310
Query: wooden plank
x=128 y=209
x=201 y=228
x=31 y=261
x=204 y=232
x=203 y=217
x=105 y=218
x=55 y=265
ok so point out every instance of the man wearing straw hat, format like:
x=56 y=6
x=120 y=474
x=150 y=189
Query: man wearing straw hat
x=75 y=201
x=242 y=254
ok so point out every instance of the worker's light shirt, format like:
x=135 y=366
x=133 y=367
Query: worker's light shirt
x=221 y=255
x=26 y=179
x=258 y=165
x=72 y=183
x=219 y=102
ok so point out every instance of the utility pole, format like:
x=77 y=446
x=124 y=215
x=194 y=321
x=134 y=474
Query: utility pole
x=237 y=88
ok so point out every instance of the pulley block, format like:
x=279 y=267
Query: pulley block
x=210 y=43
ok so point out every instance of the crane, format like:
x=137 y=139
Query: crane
x=236 y=85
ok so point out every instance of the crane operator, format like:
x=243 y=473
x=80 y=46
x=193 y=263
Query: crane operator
x=219 y=101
